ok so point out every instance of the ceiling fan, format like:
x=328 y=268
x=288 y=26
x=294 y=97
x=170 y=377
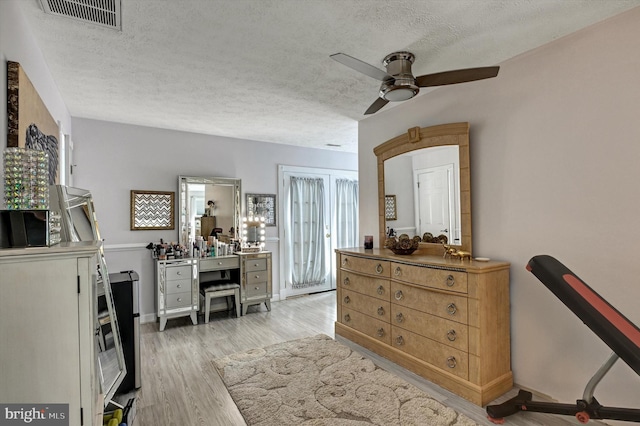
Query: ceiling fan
x=399 y=84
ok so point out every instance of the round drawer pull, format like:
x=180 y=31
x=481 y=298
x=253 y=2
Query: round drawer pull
x=380 y=332
x=452 y=309
x=399 y=295
x=346 y=281
x=178 y=273
x=379 y=269
x=347 y=318
x=399 y=317
x=451 y=335
x=179 y=286
x=397 y=272
x=256 y=288
x=347 y=299
x=450 y=281
x=380 y=290
x=179 y=299
x=255 y=264
x=451 y=362
x=380 y=311
x=399 y=341
x=345 y=261
x=257 y=277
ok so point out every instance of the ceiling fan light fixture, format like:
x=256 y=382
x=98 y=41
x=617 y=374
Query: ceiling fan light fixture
x=397 y=94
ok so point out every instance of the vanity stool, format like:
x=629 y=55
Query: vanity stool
x=214 y=290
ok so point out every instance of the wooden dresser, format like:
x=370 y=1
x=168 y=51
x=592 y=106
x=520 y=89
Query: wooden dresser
x=444 y=319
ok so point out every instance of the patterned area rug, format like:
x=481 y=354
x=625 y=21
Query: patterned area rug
x=317 y=381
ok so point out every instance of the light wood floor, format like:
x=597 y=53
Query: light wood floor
x=181 y=387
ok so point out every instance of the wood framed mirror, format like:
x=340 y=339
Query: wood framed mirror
x=428 y=170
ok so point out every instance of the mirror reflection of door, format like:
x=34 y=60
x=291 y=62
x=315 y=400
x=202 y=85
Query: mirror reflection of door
x=434 y=186
x=433 y=208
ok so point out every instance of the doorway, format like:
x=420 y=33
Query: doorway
x=319 y=212
x=434 y=206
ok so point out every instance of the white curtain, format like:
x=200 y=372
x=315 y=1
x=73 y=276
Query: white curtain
x=346 y=214
x=307 y=218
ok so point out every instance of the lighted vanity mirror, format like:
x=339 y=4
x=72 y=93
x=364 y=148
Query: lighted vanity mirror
x=427 y=170
x=78 y=222
x=207 y=204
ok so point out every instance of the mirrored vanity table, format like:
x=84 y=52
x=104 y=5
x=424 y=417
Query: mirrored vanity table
x=178 y=281
x=445 y=319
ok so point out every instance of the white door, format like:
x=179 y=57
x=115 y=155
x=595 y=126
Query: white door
x=434 y=204
x=328 y=176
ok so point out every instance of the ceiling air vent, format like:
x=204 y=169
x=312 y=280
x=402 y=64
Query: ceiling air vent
x=106 y=13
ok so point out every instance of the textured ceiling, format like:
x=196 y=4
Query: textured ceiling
x=260 y=69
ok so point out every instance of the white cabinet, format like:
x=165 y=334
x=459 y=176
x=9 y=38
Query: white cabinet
x=48 y=353
x=177 y=289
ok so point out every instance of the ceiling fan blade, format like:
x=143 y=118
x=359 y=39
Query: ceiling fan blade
x=456 y=76
x=360 y=66
x=379 y=103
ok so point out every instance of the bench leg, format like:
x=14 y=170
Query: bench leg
x=268 y=305
x=207 y=306
x=236 y=298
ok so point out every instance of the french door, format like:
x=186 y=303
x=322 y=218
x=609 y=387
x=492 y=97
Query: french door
x=310 y=231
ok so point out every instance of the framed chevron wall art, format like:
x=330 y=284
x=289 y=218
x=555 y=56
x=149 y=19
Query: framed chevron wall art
x=152 y=210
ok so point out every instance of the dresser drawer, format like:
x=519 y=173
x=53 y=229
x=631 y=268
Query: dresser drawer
x=255 y=265
x=444 y=305
x=372 y=327
x=365 y=266
x=256 y=289
x=178 y=300
x=430 y=277
x=179 y=286
x=435 y=328
x=218 y=263
x=375 y=287
x=446 y=358
x=368 y=305
x=178 y=272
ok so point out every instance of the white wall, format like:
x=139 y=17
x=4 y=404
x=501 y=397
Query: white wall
x=555 y=147
x=112 y=159
x=17 y=44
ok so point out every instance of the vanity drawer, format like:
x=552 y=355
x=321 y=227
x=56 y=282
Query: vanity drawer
x=218 y=263
x=435 y=328
x=368 y=305
x=256 y=277
x=444 y=305
x=446 y=358
x=429 y=277
x=178 y=272
x=375 y=287
x=178 y=300
x=179 y=286
x=372 y=327
x=255 y=265
x=365 y=266
x=256 y=289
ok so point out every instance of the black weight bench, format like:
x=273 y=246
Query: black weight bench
x=620 y=334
